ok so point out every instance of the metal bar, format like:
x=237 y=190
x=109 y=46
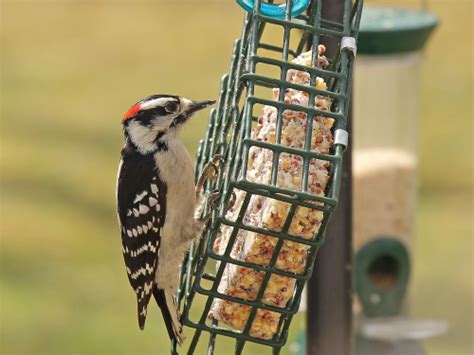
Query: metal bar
x=329 y=314
x=212 y=341
x=306 y=109
x=234 y=334
x=274 y=83
x=294 y=151
x=310 y=242
x=246 y=185
x=289 y=65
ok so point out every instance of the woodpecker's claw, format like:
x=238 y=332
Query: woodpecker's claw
x=211 y=201
x=233 y=198
x=208 y=172
x=213 y=198
x=208 y=199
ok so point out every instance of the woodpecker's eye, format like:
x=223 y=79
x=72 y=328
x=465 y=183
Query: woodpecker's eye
x=172 y=107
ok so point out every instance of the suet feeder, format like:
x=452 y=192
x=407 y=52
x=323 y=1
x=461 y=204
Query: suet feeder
x=275 y=193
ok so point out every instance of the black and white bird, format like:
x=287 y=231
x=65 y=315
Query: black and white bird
x=156 y=201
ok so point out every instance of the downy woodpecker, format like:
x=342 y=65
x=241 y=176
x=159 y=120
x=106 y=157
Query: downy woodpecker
x=156 y=201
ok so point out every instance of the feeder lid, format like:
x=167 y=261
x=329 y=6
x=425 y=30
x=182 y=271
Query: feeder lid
x=385 y=30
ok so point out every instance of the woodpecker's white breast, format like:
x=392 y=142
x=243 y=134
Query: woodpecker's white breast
x=176 y=170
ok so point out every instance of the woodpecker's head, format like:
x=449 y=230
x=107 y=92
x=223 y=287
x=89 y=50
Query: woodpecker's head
x=150 y=122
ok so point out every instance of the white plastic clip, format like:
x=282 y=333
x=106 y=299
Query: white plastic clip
x=341 y=136
x=349 y=44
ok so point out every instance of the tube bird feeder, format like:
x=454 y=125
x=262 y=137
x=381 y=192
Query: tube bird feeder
x=385 y=160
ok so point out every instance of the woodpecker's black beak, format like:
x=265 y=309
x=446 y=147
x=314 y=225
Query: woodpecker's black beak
x=197 y=106
x=190 y=108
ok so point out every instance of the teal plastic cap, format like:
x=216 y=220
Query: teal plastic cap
x=386 y=30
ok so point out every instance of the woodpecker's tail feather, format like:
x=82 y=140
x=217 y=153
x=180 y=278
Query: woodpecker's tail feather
x=167 y=303
x=142 y=306
x=141 y=317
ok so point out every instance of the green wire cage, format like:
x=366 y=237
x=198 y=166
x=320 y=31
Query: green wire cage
x=244 y=90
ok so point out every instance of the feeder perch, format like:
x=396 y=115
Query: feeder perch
x=279 y=130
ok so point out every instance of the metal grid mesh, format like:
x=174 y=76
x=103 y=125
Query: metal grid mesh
x=229 y=134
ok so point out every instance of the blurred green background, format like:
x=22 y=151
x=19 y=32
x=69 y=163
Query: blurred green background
x=70 y=69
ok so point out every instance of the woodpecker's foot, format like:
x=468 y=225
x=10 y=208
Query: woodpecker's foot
x=211 y=201
x=231 y=203
x=208 y=172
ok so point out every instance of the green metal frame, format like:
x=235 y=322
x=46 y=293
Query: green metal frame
x=229 y=134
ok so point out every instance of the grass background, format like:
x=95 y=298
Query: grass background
x=70 y=69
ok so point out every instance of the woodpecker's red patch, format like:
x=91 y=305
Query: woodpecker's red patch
x=132 y=111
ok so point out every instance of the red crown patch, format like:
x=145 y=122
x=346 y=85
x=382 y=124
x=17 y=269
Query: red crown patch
x=132 y=111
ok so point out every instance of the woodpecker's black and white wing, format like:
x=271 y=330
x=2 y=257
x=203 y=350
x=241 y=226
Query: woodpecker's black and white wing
x=141 y=206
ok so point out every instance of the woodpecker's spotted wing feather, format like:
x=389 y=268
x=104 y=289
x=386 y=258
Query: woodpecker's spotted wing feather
x=141 y=205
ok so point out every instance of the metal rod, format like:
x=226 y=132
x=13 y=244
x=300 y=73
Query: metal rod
x=329 y=312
